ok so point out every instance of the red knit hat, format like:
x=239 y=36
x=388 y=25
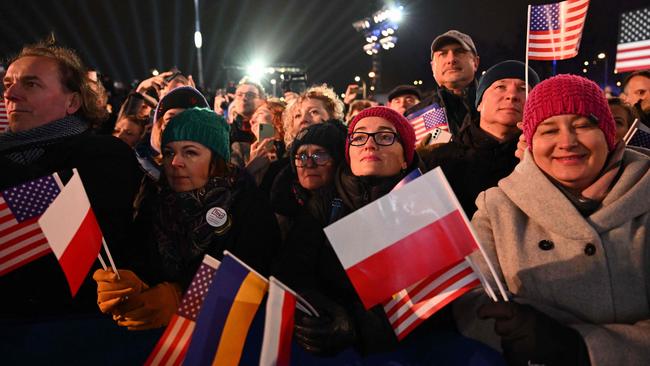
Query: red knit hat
x=401 y=124
x=568 y=94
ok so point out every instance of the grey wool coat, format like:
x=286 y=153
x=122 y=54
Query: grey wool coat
x=592 y=274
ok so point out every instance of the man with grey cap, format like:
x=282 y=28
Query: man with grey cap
x=454 y=62
x=483 y=151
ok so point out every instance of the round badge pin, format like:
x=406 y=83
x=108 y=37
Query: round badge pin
x=216 y=217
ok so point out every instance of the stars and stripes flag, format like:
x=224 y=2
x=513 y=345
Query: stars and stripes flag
x=555 y=29
x=172 y=346
x=410 y=307
x=223 y=323
x=423 y=216
x=633 y=50
x=4 y=121
x=427 y=119
x=21 y=237
x=638 y=135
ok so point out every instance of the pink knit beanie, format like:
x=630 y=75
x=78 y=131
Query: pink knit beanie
x=401 y=124
x=568 y=94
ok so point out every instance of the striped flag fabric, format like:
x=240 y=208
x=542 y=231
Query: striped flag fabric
x=427 y=120
x=278 y=325
x=222 y=326
x=172 y=346
x=410 y=307
x=633 y=49
x=21 y=238
x=424 y=216
x=72 y=231
x=4 y=121
x=556 y=29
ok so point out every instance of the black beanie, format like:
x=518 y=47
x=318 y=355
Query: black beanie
x=510 y=69
x=330 y=135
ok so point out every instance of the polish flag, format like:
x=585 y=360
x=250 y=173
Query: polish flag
x=278 y=325
x=403 y=237
x=71 y=228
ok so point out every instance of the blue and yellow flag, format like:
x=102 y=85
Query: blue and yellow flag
x=226 y=315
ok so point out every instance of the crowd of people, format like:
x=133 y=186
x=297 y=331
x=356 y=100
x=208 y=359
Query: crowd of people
x=557 y=199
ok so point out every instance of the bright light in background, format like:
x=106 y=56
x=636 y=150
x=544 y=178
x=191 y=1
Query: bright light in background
x=273 y=81
x=371 y=74
x=154 y=72
x=198 y=39
x=255 y=71
x=601 y=56
x=586 y=63
x=584 y=71
x=342 y=95
x=357 y=79
x=372 y=88
x=396 y=14
x=618 y=83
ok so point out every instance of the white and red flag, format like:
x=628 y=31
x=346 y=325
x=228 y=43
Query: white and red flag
x=71 y=229
x=401 y=238
x=172 y=346
x=21 y=238
x=555 y=30
x=278 y=325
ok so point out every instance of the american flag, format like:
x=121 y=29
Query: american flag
x=21 y=238
x=4 y=122
x=556 y=29
x=633 y=50
x=172 y=346
x=427 y=119
x=410 y=307
x=640 y=136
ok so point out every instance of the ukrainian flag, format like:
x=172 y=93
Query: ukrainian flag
x=226 y=315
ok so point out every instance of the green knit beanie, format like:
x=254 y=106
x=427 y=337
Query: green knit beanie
x=200 y=125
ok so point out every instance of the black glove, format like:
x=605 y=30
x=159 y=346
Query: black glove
x=328 y=334
x=528 y=335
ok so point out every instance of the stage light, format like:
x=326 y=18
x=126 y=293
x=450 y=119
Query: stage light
x=255 y=70
x=396 y=14
x=198 y=39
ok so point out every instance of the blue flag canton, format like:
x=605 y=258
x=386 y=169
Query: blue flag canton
x=196 y=293
x=640 y=138
x=545 y=17
x=635 y=26
x=31 y=199
x=435 y=117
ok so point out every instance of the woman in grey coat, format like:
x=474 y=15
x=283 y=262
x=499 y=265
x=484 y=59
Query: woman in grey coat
x=567 y=233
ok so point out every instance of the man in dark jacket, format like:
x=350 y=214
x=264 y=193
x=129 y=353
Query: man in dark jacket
x=454 y=62
x=50 y=106
x=484 y=151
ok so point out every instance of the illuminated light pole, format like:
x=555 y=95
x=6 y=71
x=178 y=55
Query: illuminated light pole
x=198 y=42
x=363 y=85
x=603 y=56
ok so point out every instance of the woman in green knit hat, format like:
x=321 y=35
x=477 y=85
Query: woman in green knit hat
x=204 y=205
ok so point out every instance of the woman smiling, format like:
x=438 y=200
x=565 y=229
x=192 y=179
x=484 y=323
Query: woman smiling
x=568 y=231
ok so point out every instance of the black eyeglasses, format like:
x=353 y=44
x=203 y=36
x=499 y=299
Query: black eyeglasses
x=382 y=138
x=318 y=158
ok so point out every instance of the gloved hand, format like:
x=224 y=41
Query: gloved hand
x=328 y=334
x=152 y=308
x=111 y=291
x=528 y=335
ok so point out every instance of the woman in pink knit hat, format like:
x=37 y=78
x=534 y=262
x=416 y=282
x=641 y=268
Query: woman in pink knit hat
x=567 y=233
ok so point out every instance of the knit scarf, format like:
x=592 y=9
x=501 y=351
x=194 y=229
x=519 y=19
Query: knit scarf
x=25 y=147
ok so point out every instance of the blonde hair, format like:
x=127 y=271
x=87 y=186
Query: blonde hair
x=333 y=105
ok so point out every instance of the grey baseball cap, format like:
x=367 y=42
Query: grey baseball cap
x=453 y=36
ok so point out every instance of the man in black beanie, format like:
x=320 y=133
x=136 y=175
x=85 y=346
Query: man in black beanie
x=483 y=151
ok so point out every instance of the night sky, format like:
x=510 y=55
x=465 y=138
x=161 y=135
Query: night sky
x=126 y=38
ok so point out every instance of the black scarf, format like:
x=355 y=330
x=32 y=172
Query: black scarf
x=183 y=234
x=357 y=192
x=25 y=147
